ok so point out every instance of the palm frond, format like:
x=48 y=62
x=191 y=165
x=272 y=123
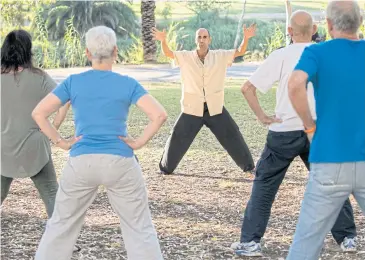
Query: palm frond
x=86 y=14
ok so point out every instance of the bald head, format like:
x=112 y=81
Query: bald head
x=202 y=39
x=302 y=23
x=202 y=31
x=344 y=16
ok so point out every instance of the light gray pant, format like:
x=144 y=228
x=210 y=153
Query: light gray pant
x=329 y=185
x=123 y=180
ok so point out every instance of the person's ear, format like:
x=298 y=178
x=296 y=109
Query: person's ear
x=115 y=52
x=88 y=54
x=329 y=25
x=315 y=29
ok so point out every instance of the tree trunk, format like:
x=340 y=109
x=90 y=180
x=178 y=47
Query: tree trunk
x=148 y=21
x=240 y=24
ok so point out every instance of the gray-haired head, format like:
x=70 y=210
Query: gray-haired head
x=101 y=42
x=345 y=16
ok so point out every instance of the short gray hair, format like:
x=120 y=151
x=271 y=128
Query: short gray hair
x=101 y=41
x=345 y=15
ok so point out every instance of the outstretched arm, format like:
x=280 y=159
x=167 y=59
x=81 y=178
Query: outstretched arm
x=161 y=36
x=248 y=33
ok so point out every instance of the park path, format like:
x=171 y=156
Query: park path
x=155 y=73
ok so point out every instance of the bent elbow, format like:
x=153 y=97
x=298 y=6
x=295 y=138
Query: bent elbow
x=163 y=117
x=35 y=115
x=171 y=55
x=247 y=88
x=159 y=118
x=296 y=83
x=292 y=88
x=244 y=88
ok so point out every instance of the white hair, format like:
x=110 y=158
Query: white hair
x=101 y=41
x=345 y=15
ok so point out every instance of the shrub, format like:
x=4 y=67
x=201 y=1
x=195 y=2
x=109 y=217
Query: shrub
x=269 y=35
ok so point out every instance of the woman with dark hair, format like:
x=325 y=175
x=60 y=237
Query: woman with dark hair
x=315 y=38
x=25 y=150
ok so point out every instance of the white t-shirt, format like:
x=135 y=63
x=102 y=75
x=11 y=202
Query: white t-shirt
x=278 y=67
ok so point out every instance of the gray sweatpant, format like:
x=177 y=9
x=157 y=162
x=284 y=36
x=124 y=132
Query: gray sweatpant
x=78 y=186
x=45 y=181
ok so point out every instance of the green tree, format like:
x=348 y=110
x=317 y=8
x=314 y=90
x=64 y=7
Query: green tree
x=85 y=14
x=17 y=13
x=202 y=6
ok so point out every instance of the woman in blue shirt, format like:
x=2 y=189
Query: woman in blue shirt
x=101 y=153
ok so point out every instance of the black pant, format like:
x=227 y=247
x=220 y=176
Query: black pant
x=223 y=127
x=280 y=150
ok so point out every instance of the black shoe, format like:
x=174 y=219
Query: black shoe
x=164 y=173
x=251 y=171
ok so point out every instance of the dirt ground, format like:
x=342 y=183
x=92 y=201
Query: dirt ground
x=197 y=211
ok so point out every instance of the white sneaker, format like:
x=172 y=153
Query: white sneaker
x=247 y=249
x=349 y=245
x=235 y=245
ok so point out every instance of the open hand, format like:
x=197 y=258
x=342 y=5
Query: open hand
x=158 y=35
x=66 y=144
x=250 y=31
x=268 y=120
x=135 y=144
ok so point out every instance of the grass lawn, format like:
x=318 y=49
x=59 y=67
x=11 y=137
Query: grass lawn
x=196 y=211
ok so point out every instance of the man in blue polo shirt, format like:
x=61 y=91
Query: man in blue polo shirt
x=337 y=154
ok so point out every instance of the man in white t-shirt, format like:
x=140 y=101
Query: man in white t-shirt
x=286 y=140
